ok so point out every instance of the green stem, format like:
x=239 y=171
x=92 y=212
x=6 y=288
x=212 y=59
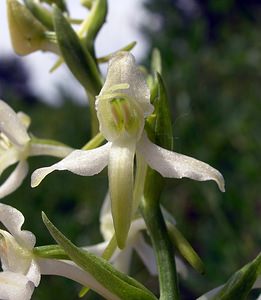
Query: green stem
x=149 y=183
x=163 y=249
x=92 y=24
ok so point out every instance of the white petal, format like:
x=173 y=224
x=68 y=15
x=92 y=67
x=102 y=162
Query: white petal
x=137 y=225
x=172 y=164
x=11 y=126
x=80 y=162
x=13 y=220
x=97 y=249
x=8 y=158
x=146 y=254
x=24 y=119
x=122 y=69
x=14 y=286
x=51 y=150
x=14 y=258
x=33 y=273
x=181 y=267
x=106 y=225
x=106 y=207
x=15 y=179
x=121 y=261
x=71 y=271
x=120 y=170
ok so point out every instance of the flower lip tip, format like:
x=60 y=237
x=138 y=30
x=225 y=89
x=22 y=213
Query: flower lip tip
x=221 y=184
x=38 y=176
x=35 y=180
x=121 y=245
x=121 y=241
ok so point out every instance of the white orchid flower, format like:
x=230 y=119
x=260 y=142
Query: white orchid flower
x=16 y=146
x=22 y=269
x=121 y=259
x=122 y=106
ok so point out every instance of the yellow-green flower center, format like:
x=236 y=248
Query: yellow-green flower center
x=5 y=143
x=124 y=115
x=119 y=116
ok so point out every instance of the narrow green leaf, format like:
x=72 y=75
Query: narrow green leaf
x=185 y=249
x=240 y=284
x=163 y=125
x=107 y=254
x=116 y=282
x=156 y=65
x=78 y=59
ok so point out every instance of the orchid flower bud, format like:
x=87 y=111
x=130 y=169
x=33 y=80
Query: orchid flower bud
x=27 y=33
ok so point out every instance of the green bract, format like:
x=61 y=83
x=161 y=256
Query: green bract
x=239 y=284
x=77 y=58
x=116 y=285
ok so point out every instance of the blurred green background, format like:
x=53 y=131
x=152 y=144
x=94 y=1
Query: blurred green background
x=211 y=54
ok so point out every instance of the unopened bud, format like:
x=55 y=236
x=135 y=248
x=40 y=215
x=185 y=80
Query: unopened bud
x=27 y=33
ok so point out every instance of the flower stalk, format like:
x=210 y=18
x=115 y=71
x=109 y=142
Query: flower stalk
x=159 y=236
